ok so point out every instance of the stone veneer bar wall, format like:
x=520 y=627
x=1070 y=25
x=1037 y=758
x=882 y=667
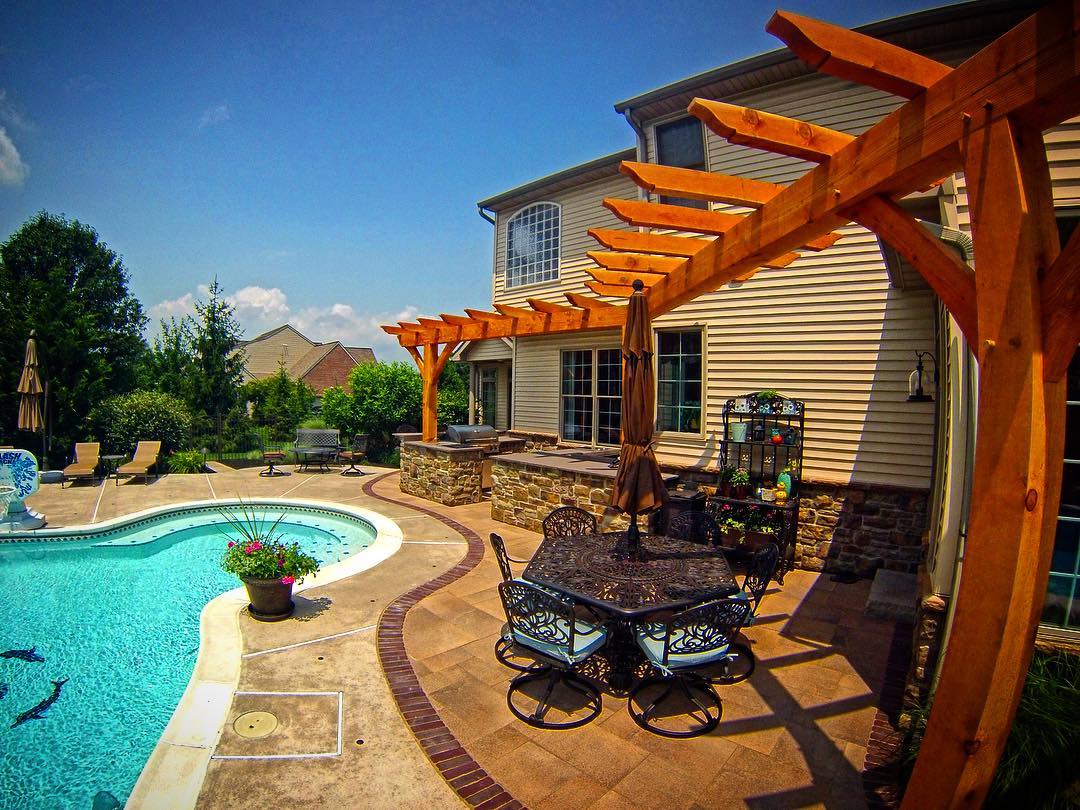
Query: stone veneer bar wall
x=446 y=475
x=860 y=528
x=523 y=495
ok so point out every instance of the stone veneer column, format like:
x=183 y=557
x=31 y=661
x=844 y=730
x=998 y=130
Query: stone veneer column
x=446 y=475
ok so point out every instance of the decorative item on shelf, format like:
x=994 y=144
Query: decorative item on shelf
x=266 y=564
x=768 y=494
x=738 y=431
x=780 y=496
x=740 y=482
x=775 y=437
x=759 y=431
x=791 y=436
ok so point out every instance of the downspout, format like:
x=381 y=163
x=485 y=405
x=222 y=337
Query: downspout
x=642 y=145
x=964 y=244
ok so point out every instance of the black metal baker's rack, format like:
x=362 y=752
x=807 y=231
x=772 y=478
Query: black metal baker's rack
x=766 y=415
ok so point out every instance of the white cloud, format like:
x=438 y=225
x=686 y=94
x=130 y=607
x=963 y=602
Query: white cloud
x=212 y=116
x=173 y=308
x=260 y=302
x=13 y=168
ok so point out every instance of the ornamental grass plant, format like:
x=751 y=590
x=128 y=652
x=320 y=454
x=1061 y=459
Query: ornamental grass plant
x=260 y=552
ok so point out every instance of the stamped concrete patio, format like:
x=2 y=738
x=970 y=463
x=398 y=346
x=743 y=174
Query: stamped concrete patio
x=423 y=718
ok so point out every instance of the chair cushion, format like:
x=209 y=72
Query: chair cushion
x=650 y=637
x=588 y=638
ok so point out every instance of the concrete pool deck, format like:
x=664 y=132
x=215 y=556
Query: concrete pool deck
x=796 y=734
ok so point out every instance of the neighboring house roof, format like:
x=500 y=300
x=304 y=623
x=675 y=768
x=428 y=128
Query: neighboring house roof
x=302 y=356
x=361 y=354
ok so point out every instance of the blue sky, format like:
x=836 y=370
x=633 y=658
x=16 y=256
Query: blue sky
x=324 y=160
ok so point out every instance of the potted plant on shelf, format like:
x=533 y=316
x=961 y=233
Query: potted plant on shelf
x=731 y=526
x=740 y=482
x=266 y=564
x=724 y=480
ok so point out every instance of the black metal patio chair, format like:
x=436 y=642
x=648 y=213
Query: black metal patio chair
x=354 y=454
x=694 y=639
x=507 y=650
x=758 y=576
x=544 y=624
x=569 y=521
x=697 y=527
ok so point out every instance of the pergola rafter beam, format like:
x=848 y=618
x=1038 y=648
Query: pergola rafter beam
x=622 y=278
x=675 y=217
x=856 y=57
x=635 y=262
x=546 y=306
x=585 y=302
x=699 y=185
x=773 y=133
x=661 y=244
x=619 y=291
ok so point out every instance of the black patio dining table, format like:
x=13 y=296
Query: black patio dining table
x=596 y=570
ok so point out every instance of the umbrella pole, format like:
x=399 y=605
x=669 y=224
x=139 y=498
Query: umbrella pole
x=633 y=538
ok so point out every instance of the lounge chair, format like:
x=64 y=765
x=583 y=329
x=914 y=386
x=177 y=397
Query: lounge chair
x=85 y=462
x=146 y=456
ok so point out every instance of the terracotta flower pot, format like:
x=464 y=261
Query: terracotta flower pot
x=741 y=490
x=731 y=537
x=755 y=540
x=271 y=599
x=725 y=489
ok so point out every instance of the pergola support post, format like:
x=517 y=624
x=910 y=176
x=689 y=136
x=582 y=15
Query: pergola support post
x=431 y=363
x=1017 y=475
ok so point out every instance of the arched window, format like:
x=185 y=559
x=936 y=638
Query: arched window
x=532 y=245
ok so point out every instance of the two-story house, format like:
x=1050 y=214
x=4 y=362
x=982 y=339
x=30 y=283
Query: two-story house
x=886 y=479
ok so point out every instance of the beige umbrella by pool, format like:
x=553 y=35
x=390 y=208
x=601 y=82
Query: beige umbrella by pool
x=30 y=391
x=639 y=486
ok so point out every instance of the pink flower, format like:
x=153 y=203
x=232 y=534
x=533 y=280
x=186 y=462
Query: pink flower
x=231 y=544
x=280 y=563
x=256 y=545
x=288 y=580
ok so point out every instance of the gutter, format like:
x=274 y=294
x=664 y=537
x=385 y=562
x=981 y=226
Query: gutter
x=642 y=146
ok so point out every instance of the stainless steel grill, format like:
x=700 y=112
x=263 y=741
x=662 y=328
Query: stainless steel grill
x=472 y=434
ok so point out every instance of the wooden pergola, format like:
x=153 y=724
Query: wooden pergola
x=1020 y=312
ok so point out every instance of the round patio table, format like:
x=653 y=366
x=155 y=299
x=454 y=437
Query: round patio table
x=596 y=570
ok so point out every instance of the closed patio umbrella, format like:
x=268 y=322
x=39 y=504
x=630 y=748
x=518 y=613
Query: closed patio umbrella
x=30 y=391
x=639 y=486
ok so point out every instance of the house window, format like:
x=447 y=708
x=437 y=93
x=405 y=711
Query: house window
x=591 y=412
x=682 y=143
x=1062 y=606
x=532 y=245
x=678 y=381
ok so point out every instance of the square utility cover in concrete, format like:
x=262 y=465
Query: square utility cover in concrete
x=264 y=724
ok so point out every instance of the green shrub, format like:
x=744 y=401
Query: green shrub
x=279 y=402
x=383 y=396
x=121 y=422
x=314 y=423
x=1038 y=767
x=186 y=462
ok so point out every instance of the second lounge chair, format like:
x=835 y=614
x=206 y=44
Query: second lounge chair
x=146 y=456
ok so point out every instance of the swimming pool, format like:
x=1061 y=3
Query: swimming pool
x=116 y=614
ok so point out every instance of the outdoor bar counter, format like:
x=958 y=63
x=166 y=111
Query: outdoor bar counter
x=527 y=486
x=449 y=473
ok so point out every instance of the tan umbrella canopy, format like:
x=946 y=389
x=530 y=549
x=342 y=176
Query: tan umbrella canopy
x=639 y=487
x=30 y=390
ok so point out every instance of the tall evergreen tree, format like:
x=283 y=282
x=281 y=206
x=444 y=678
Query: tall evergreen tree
x=216 y=340
x=58 y=278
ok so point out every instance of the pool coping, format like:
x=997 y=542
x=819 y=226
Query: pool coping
x=174 y=773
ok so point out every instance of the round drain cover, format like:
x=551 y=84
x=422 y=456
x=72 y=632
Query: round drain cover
x=255 y=724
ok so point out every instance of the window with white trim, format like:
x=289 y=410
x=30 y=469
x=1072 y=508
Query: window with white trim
x=532 y=245
x=591 y=413
x=679 y=381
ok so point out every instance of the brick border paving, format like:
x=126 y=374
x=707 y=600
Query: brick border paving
x=881 y=769
x=447 y=754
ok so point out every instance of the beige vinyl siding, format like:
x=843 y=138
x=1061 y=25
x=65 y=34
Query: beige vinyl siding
x=481 y=350
x=582 y=208
x=831 y=331
x=537 y=373
x=828 y=329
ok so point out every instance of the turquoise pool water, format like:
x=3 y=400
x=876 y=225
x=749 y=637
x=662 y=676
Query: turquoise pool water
x=118 y=617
